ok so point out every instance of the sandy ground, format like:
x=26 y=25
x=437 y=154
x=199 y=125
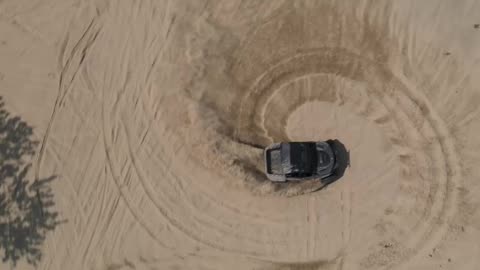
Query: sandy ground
x=148 y=114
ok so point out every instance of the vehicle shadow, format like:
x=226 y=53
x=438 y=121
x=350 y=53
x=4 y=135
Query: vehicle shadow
x=26 y=213
x=342 y=156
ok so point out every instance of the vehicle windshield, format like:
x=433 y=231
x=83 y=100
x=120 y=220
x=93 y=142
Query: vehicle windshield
x=274 y=159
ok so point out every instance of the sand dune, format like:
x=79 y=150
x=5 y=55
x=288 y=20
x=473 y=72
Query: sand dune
x=152 y=116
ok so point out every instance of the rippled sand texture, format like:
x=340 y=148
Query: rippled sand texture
x=153 y=113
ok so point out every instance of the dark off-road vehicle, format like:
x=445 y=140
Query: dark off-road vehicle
x=296 y=161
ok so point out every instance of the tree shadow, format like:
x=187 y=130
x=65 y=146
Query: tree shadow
x=26 y=213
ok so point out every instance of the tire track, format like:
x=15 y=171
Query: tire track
x=176 y=223
x=102 y=200
x=85 y=42
x=116 y=181
x=70 y=187
x=312 y=236
x=152 y=122
x=75 y=64
x=124 y=193
x=254 y=113
x=256 y=100
x=346 y=209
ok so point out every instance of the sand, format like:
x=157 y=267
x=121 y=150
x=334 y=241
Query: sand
x=150 y=116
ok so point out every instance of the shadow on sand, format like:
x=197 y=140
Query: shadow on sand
x=26 y=213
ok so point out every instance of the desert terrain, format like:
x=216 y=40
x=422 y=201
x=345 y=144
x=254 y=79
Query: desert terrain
x=131 y=134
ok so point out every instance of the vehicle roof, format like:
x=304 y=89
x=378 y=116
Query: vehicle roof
x=299 y=157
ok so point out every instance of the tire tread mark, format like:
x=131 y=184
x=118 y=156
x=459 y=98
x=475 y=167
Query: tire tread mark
x=62 y=91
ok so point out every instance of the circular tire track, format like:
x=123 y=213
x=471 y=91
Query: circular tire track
x=443 y=195
x=405 y=106
x=257 y=108
x=165 y=161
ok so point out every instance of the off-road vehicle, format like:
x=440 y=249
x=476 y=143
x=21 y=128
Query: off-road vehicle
x=297 y=161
